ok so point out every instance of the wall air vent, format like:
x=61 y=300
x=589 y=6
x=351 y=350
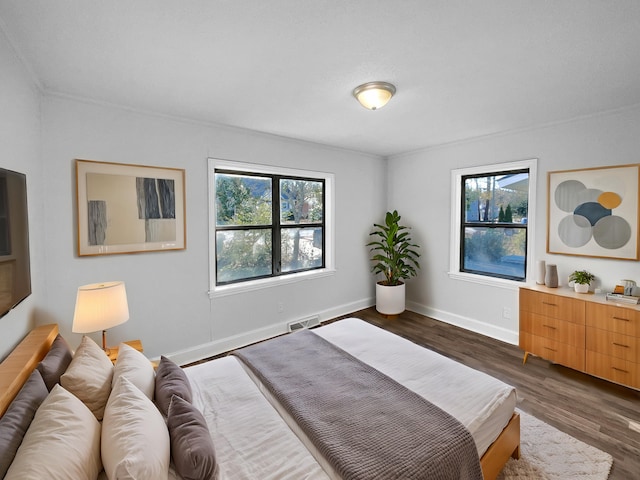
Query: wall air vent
x=307 y=322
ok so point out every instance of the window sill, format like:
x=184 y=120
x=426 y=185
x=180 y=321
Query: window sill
x=252 y=285
x=490 y=281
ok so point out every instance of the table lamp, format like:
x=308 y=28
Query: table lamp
x=100 y=306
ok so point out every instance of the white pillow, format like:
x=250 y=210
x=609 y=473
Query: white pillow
x=137 y=368
x=135 y=439
x=62 y=442
x=89 y=375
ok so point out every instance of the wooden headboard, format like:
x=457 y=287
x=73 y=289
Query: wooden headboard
x=16 y=368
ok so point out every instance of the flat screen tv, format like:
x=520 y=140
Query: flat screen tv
x=15 y=273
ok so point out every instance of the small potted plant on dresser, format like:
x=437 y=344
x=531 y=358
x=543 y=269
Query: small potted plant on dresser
x=396 y=257
x=581 y=280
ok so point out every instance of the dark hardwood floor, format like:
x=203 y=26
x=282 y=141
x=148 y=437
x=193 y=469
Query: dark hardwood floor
x=595 y=411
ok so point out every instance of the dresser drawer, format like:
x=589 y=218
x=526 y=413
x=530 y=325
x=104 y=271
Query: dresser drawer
x=572 y=357
x=554 y=306
x=615 y=319
x=614 y=369
x=552 y=328
x=613 y=344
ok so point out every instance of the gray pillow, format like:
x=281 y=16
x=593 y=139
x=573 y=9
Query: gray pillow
x=191 y=445
x=54 y=364
x=170 y=380
x=16 y=420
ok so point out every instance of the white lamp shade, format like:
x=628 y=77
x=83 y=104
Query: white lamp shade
x=100 y=306
x=374 y=95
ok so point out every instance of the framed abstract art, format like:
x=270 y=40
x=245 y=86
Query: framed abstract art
x=129 y=208
x=594 y=212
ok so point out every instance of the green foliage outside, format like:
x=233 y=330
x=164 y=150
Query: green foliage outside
x=303 y=200
x=243 y=200
x=237 y=205
x=492 y=244
x=485 y=246
x=487 y=202
x=508 y=215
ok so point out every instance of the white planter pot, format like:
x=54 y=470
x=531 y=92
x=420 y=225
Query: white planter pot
x=581 y=287
x=390 y=300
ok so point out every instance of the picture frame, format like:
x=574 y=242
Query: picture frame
x=594 y=212
x=124 y=208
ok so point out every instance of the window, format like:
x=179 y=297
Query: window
x=268 y=222
x=492 y=221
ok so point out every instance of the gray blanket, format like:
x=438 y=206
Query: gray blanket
x=364 y=423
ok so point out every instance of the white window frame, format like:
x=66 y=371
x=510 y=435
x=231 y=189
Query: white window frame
x=456 y=212
x=250 y=285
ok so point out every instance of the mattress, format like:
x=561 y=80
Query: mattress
x=254 y=437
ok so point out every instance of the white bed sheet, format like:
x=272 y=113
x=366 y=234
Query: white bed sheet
x=250 y=438
x=482 y=403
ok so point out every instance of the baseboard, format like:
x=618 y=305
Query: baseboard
x=217 y=347
x=483 y=328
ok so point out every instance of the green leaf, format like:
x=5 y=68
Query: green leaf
x=395 y=254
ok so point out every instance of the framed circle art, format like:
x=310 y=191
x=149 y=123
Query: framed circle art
x=594 y=212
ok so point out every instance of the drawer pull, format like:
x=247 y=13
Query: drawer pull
x=620 y=318
x=620 y=345
x=550 y=304
x=619 y=370
x=549 y=326
x=552 y=349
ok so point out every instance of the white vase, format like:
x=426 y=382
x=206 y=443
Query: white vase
x=540 y=272
x=581 y=287
x=390 y=300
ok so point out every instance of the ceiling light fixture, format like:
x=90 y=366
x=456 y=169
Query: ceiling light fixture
x=374 y=95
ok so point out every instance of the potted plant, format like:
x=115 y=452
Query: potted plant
x=581 y=280
x=396 y=258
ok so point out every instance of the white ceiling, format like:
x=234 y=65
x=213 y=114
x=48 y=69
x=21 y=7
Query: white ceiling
x=463 y=68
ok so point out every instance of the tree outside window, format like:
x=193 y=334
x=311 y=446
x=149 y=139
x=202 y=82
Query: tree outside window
x=267 y=225
x=493 y=228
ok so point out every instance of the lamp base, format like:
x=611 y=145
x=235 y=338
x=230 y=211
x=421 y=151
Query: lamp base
x=104 y=343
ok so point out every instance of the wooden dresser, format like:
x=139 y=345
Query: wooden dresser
x=582 y=331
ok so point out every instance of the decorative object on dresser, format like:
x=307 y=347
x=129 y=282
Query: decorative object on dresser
x=623 y=293
x=621 y=298
x=628 y=286
x=541 y=271
x=551 y=276
x=396 y=258
x=585 y=332
x=100 y=306
x=581 y=280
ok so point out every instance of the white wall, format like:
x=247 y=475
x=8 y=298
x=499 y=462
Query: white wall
x=20 y=151
x=170 y=309
x=419 y=187
x=168 y=301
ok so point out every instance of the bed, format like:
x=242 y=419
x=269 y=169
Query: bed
x=255 y=436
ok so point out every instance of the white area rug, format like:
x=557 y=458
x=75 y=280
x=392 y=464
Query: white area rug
x=549 y=454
